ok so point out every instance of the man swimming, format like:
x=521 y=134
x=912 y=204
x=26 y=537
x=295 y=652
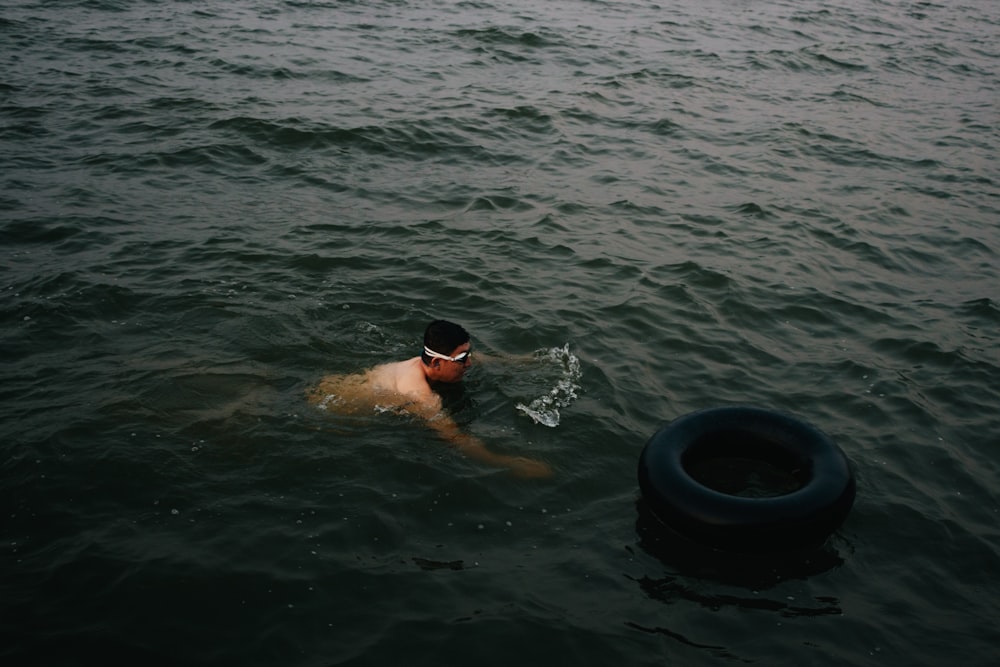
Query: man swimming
x=406 y=386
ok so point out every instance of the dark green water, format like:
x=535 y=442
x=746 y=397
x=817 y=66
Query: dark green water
x=206 y=207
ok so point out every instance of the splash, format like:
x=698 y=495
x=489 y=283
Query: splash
x=545 y=409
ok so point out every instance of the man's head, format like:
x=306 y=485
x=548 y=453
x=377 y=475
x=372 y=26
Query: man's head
x=447 y=351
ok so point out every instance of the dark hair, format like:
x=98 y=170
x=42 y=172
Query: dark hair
x=442 y=336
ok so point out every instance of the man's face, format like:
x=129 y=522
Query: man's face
x=454 y=371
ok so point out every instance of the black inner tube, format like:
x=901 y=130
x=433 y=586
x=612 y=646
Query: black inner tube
x=746 y=478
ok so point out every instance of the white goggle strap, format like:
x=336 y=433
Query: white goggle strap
x=437 y=355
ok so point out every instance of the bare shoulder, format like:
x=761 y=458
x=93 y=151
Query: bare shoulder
x=407 y=381
x=402 y=377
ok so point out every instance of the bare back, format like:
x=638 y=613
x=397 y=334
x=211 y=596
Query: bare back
x=393 y=387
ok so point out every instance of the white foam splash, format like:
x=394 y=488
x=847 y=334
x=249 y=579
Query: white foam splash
x=545 y=409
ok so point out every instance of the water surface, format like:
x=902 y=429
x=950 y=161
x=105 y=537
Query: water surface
x=206 y=207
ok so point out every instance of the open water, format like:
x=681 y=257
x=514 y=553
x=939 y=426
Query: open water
x=207 y=206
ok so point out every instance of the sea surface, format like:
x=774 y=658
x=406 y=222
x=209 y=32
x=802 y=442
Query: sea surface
x=640 y=209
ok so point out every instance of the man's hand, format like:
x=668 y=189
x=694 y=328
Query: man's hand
x=528 y=468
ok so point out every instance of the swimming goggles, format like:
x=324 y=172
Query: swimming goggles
x=458 y=358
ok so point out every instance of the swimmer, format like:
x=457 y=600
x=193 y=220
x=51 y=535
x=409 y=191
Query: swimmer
x=406 y=387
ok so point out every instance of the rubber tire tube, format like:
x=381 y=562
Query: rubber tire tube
x=803 y=517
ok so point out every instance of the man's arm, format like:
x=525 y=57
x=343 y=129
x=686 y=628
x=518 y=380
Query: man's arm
x=474 y=448
x=494 y=359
